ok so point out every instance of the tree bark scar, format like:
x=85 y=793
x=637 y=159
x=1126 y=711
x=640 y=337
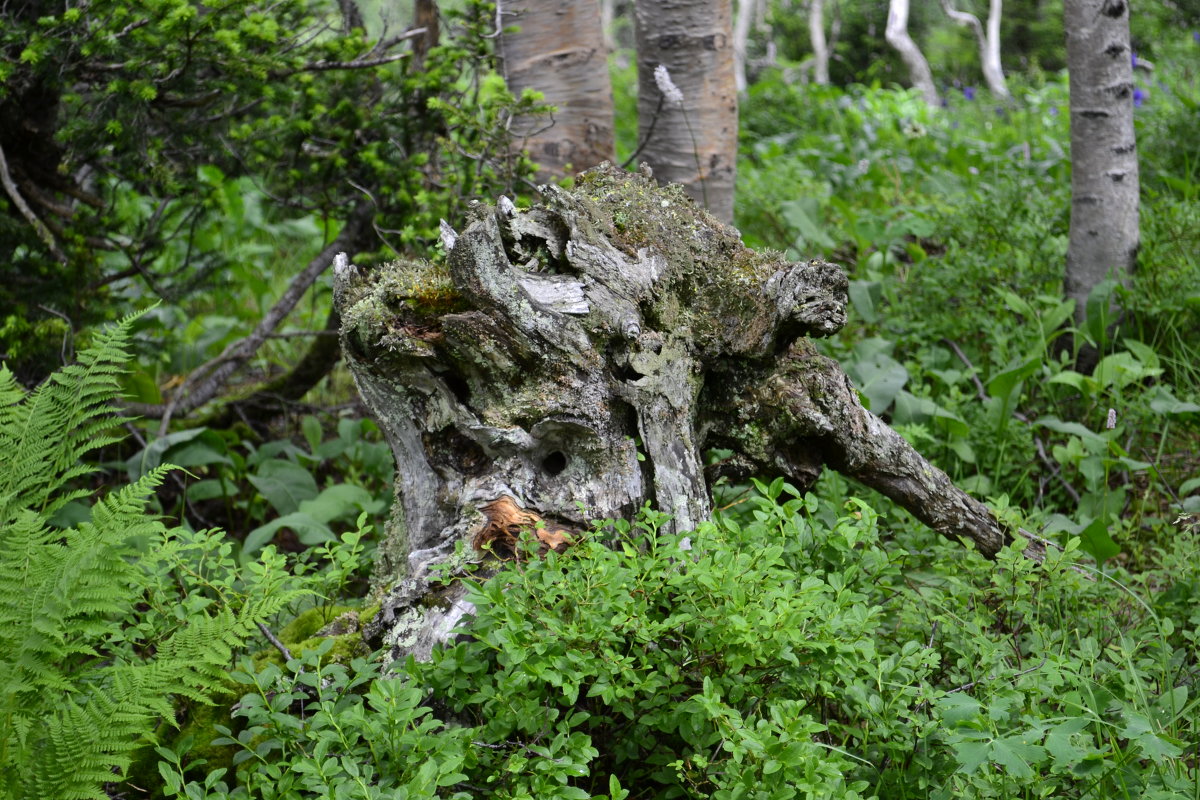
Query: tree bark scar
x=1113 y=8
x=506 y=521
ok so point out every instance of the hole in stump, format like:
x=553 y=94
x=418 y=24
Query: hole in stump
x=554 y=463
x=458 y=387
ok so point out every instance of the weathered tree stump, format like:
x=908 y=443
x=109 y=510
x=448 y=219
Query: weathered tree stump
x=577 y=359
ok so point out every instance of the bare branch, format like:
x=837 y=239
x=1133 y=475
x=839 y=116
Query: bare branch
x=42 y=231
x=358 y=63
x=206 y=381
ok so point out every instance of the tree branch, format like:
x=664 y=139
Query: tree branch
x=203 y=384
x=42 y=231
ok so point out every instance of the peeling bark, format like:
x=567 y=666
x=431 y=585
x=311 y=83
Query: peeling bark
x=577 y=359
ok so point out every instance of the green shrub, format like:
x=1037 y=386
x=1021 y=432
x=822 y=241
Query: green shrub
x=785 y=651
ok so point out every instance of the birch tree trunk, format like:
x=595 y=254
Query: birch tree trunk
x=820 y=48
x=577 y=359
x=988 y=41
x=689 y=137
x=918 y=68
x=558 y=49
x=746 y=12
x=1104 y=237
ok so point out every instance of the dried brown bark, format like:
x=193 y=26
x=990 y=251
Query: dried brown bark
x=577 y=359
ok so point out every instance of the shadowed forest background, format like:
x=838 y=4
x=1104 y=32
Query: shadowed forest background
x=197 y=580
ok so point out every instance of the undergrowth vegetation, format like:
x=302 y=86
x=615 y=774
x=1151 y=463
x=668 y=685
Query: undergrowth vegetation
x=817 y=644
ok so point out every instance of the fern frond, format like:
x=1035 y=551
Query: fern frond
x=44 y=434
x=78 y=692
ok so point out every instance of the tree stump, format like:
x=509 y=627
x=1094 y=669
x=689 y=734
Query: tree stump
x=576 y=359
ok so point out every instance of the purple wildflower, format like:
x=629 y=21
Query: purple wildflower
x=1139 y=97
x=969 y=92
x=1133 y=59
x=1054 y=111
x=1196 y=36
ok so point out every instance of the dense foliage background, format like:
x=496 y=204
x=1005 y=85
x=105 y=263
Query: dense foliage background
x=820 y=645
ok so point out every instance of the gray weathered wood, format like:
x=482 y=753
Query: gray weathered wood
x=580 y=357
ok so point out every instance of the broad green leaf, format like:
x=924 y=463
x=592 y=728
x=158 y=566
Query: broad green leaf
x=802 y=215
x=284 y=484
x=958 y=708
x=970 y=755
x=1070 y=428
x=1059 y=742
x=1005 y=383
x=308 y=530
x=862 y=298
x=1155 y=746
x=1162 y=401
x=1017 y=755
x=210 y=489
x=151 y=456
x=208 y=448
x=310 y=426
x=877 y=375
x=1081 y=383
x=1121 y=369
x=1095 y=541
x=340 y=500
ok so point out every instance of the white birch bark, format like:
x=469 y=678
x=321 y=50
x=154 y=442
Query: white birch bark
x=558 y=49
x=692 y=142
x=1103 y=238
x=918 y=68
x=988 y=41
x=741 y=40
x=820 y=47
x=607 y=15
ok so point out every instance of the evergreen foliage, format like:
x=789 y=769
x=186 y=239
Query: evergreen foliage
x=85 y=673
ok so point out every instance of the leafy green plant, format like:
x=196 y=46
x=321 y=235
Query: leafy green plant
x=95 y=637
x=780 y=651
x=257 y=490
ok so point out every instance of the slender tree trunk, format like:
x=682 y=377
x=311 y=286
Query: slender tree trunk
x=425 y=15
x=1104 y=165
x=558 y=49
x=746 y=12
x=918 y=68
x=988 y=41
x=993 y=71
x=820 y=48
x=577 y=359
x=689 y=136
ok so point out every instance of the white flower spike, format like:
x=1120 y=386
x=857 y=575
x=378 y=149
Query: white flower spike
x=667 y=86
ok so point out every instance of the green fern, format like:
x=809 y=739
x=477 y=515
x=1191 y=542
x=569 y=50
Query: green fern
x=77 y=693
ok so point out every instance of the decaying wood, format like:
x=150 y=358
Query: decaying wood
x=576 y=359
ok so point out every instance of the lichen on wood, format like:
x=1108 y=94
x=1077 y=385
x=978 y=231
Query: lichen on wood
x=577 y=359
